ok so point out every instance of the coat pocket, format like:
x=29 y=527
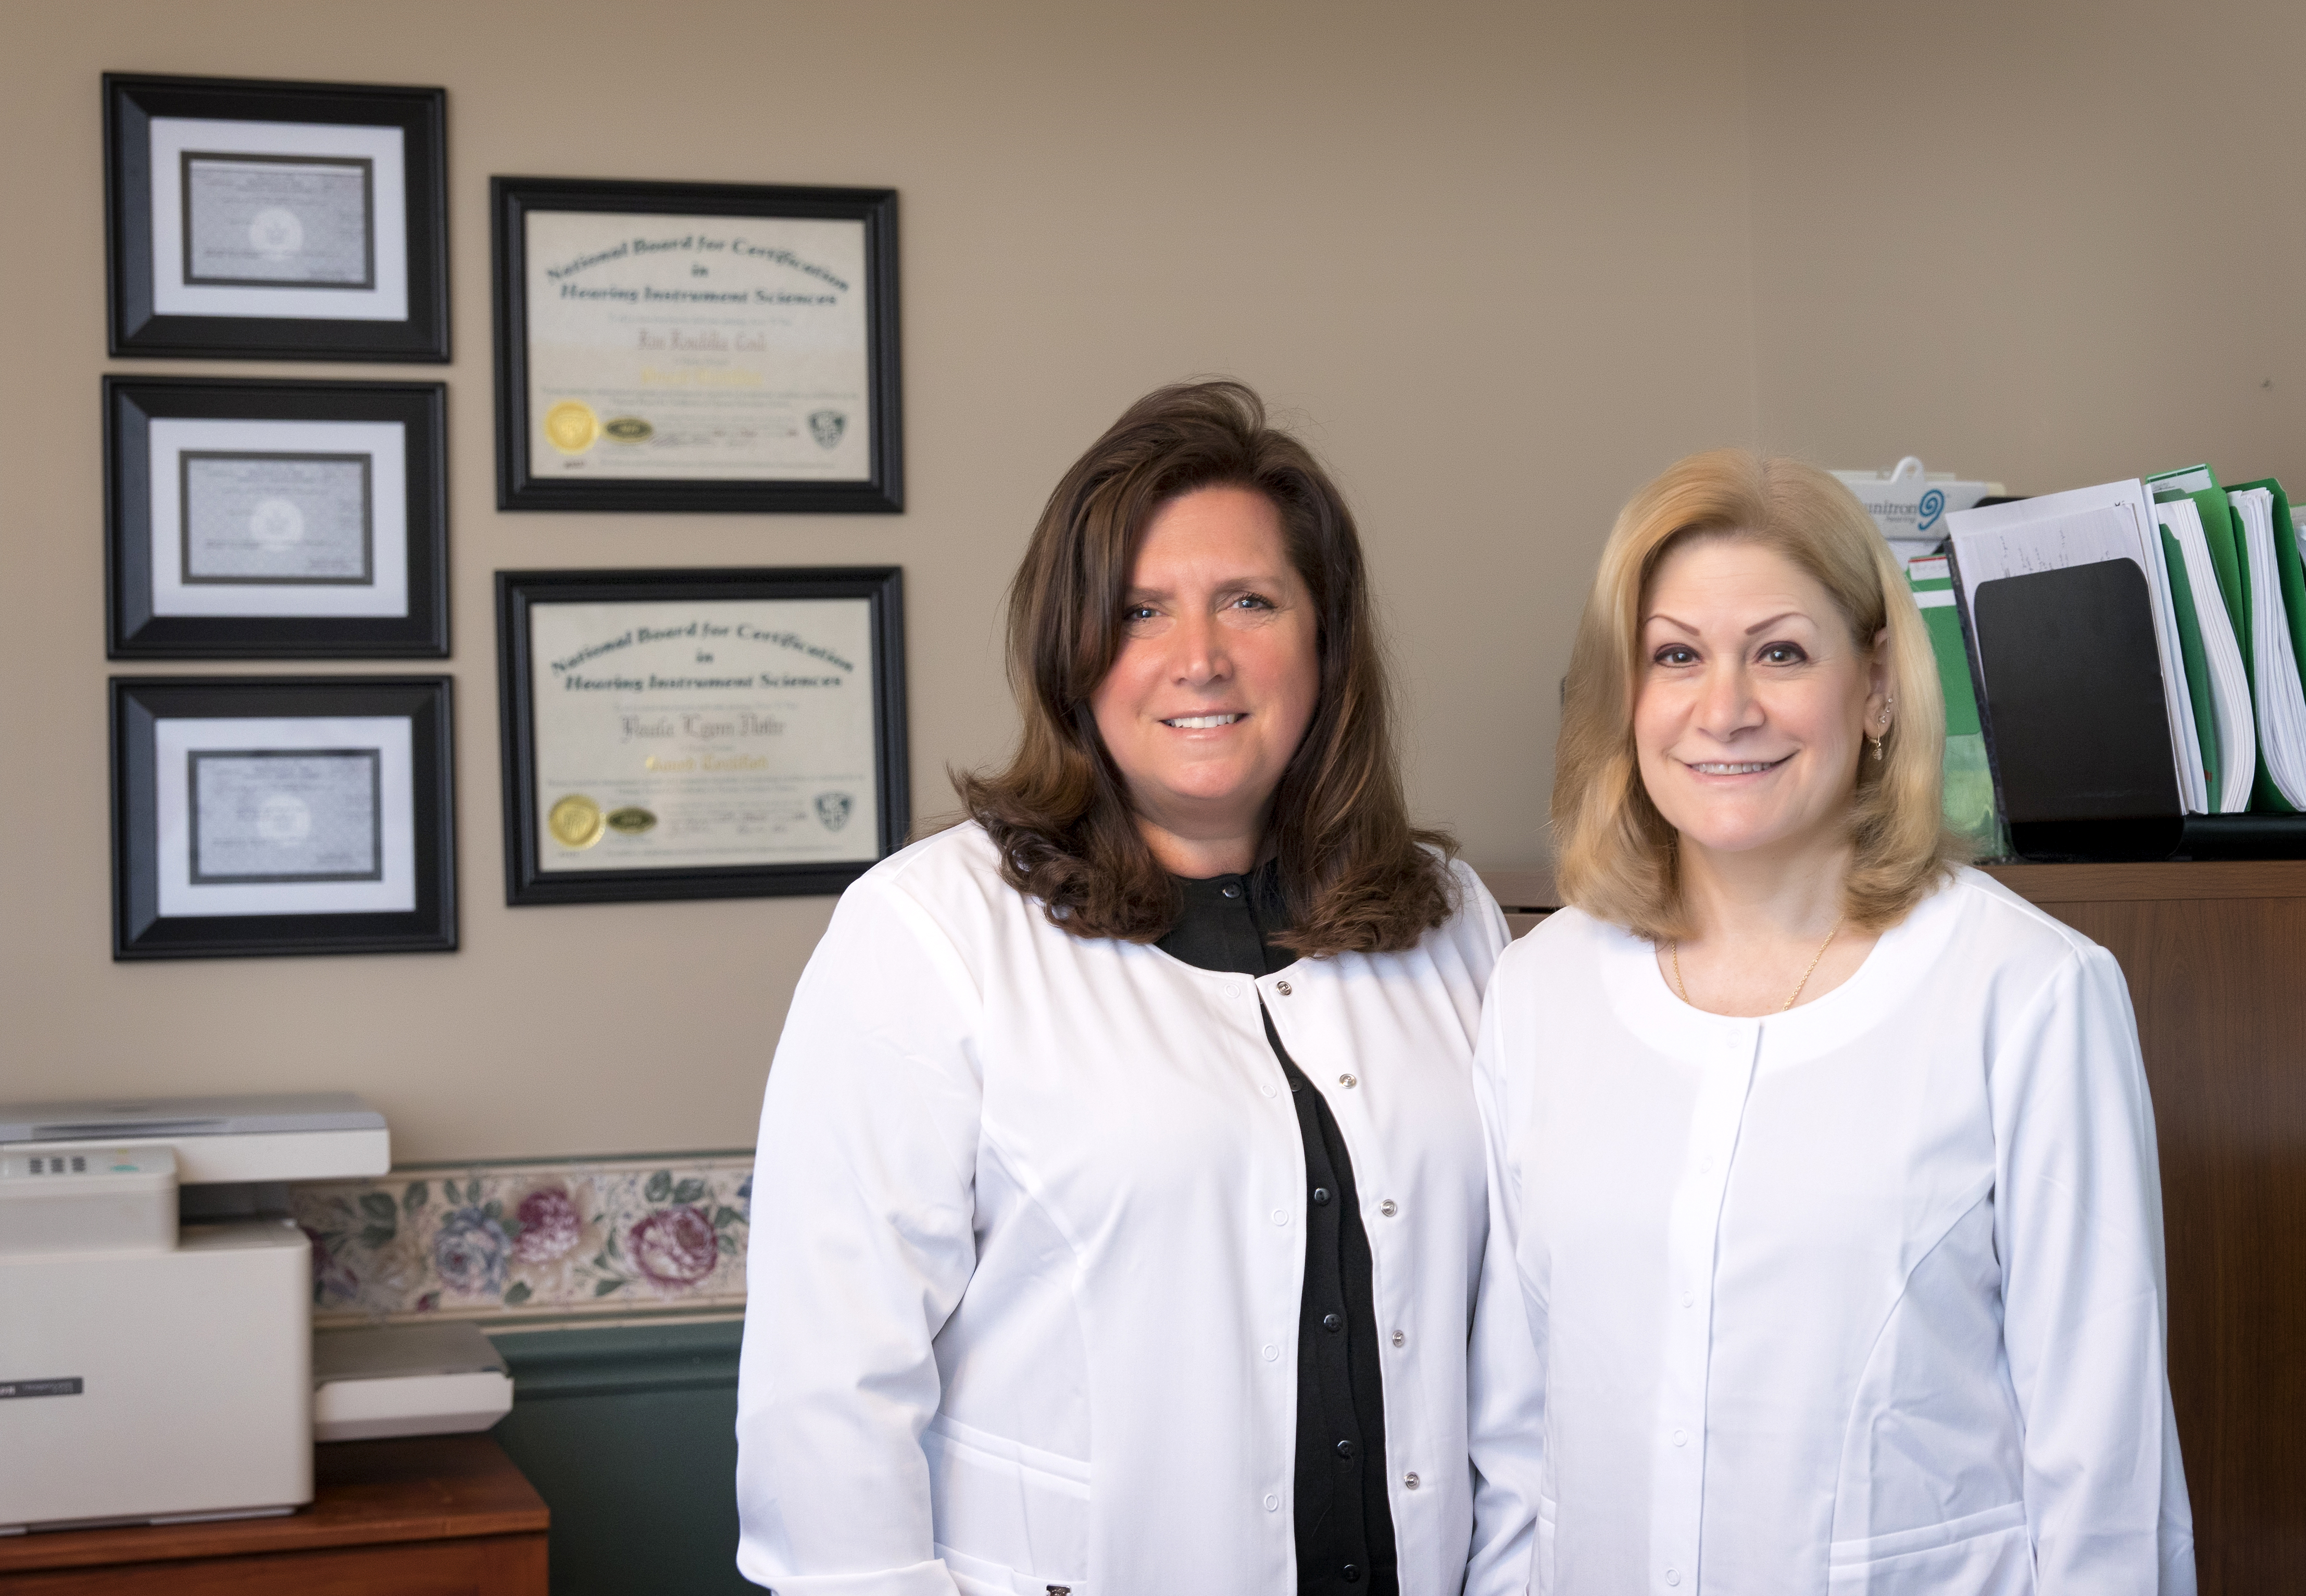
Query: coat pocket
x=1011 y=1520
x=1981 y=1554
x=1546 y=1511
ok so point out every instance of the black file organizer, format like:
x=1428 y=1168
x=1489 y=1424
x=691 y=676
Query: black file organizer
x=2076 y=728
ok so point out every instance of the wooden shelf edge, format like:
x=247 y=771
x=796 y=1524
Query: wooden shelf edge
x=371 y=1493
x=2159 y=882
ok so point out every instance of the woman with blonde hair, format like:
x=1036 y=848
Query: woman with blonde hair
x=1823 y=1166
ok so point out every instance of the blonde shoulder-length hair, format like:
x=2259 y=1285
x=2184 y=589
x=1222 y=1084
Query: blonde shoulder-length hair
x=1614 y=853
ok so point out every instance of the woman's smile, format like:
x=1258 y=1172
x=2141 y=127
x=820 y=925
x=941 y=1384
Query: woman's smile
x=1747 y=768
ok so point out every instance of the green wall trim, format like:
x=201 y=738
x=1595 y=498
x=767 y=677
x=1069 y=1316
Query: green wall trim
x=629 y=1434
x=550 y=1364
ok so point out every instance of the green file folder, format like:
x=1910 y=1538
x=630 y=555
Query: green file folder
x=2268 y=797
x=2200 y=485
x=2222 y=536
x=1969 y=807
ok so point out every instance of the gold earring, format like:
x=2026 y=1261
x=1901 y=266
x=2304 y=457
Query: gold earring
x=1877 y=748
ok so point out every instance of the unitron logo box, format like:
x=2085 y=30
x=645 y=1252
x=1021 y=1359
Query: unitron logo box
x=1911 y=504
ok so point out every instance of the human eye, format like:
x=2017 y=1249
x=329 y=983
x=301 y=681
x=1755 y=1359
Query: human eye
x=1674 y=655
x=1251 y=601
x=1782 y=652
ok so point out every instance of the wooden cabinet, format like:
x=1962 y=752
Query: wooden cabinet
x=2215 y=954
x=2215 y=957
x=433 y=1516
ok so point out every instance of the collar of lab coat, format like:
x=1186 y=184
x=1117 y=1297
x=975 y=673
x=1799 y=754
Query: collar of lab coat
x=1646 y=1003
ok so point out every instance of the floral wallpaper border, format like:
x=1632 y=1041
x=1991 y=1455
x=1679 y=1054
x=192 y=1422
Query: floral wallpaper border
x=599 y=1236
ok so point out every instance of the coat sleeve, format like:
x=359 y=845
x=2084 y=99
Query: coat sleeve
x=2078 y=1222
x=863 y=1241
x=1505 y=1372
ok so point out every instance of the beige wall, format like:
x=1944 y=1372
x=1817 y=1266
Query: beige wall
x=1458 y=242
x=1502 y=262
x=2051 y=243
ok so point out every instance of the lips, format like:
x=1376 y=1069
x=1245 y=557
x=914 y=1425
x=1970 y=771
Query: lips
x=1203 y=723
x=1723 y=767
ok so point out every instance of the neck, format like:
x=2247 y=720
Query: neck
x=1764 y=894
x=1198 y=855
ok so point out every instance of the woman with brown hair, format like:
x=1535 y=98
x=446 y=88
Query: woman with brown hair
x=1119 y=1197
x=1824 y=1167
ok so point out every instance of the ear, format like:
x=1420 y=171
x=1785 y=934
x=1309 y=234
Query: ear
x=1881 y=712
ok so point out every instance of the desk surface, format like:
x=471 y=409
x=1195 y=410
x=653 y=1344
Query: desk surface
x=365 y=1493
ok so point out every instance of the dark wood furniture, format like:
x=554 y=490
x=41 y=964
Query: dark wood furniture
x=433 y=1516
x=1525 y=894
x=2216 y=956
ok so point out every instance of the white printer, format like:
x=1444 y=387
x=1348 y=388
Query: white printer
x=153 y=1370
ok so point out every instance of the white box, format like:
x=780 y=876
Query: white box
x=1910 y=504
x=162 y=1385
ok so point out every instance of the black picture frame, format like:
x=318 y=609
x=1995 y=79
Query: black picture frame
x=519 y=591
x=511 y=201
x=140 y=930
x=133 y=631
x=132 y=102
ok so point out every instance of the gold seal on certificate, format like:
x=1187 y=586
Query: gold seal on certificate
x=575 y=821
x=570 y=426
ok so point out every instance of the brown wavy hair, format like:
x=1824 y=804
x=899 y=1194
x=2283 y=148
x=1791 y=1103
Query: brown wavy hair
x=1355 y=875
x=1614 y=853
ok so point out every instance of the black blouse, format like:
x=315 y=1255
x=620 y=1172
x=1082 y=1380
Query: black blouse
x=1345 y=1525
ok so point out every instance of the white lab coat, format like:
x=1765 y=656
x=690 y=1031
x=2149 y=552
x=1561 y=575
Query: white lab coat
x=1027 y=1244
x=1866 y=1297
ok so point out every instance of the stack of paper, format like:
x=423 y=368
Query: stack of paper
x=2205 y=595
x=2277 y=626
x=2115 y=521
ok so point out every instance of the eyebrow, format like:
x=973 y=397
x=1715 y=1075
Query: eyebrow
x=1266 y=583
x=1759 y=626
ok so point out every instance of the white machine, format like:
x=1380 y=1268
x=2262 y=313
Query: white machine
x=442 y=1378
x=154 y=1371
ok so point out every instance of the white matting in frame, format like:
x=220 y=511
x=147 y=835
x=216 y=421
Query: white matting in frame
x=384 y=443
x=276 y=233
x=175 y=741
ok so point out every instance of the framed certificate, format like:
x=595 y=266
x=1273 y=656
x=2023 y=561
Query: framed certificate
x=695 y=346
x=264 y=519
x=274 y=814
x=251 y=219
x=700 y=733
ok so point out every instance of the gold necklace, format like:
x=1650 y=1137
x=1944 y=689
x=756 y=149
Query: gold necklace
x=1798 y=986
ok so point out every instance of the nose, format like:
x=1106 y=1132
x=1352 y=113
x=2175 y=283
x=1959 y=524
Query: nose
x=1726 y=704
x=1198 y=655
